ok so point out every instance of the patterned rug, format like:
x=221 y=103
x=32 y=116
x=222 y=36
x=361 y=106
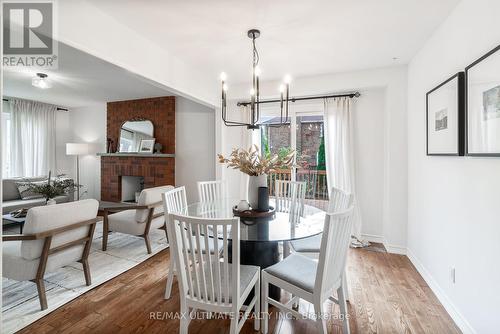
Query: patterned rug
x=20 y=305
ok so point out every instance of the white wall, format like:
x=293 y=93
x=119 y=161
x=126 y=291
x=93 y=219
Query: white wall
x=194 y=145
x=64 y=163
x=453 y=202
x=380 y=125
x=103 y=37
x=88 y=125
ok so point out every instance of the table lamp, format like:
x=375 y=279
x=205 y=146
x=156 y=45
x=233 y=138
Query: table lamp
x=77 y=149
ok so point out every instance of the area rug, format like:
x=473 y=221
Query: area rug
x=20 y=305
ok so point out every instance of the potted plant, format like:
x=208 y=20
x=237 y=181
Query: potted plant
x=257 y=167
x=60 y=185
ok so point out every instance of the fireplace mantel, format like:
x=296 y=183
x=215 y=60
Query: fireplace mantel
x=138 y=155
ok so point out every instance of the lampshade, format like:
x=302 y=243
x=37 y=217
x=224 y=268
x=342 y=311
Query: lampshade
x=77 y=149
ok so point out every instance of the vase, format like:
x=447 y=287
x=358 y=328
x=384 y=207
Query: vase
x=51 y=201
x=254 y=182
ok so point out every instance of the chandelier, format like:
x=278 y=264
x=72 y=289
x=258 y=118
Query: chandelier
x=255 y=93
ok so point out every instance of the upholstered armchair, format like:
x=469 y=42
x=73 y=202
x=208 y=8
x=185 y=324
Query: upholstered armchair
x=137 y=219
x=54 y=236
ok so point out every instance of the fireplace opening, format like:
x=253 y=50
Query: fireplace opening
x=131 y=188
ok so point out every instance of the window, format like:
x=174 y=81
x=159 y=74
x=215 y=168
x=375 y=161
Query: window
x=308 y=141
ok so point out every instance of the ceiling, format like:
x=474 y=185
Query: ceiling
x=299 y=37
x=80 y=80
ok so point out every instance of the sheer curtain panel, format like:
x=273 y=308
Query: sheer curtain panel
x=32 y=138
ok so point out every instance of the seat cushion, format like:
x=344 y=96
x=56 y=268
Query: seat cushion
x=15 y=267
x=247 y=274
x=296 y=269
x=125 y=222
x=307 y=245
x=10 y=206
x=13 y=205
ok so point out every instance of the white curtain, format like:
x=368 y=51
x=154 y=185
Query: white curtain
x=339 y=154
x=32 y=138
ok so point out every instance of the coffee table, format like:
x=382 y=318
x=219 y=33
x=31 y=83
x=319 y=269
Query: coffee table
x=15 y=220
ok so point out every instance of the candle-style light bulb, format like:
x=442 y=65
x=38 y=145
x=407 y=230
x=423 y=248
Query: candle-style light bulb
x=282 y=88
x=224 y=87
x=287 y=79
x=252 y=92
x=223 y=76
x=258 y=71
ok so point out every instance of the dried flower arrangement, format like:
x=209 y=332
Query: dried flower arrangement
x=252 y=163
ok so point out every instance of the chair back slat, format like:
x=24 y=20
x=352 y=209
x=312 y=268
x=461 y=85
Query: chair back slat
x=205 y=277
x=339 y=200
x=209 y=191
x=290 y=197
x=333 y=252
x=175 y=200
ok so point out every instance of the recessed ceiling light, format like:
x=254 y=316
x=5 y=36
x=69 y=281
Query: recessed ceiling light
x=41 y=81
x=395 y=58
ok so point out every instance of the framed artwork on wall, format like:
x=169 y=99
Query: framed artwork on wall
x=483 y=105
x=146 y=145
x=445 y=117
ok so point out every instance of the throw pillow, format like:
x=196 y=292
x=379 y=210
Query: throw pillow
x=26 y=193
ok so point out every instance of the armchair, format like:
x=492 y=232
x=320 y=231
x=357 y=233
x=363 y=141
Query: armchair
x=137 y=219
x=54 y=236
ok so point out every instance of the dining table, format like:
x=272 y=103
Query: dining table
x=260 y=237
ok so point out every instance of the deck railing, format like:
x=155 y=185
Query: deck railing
x=317 y=187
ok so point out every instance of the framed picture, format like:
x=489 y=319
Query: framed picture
x=446 y=117
x=483 y=105
x=147 y=145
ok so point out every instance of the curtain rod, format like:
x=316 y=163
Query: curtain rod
x=301 y=98
x=58 y=108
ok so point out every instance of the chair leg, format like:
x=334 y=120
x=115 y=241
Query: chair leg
x=256 y=311
x=40 y=286
x=105 y=232
x=320 y=317
x=344 y=285
x=343 y=311
x=148 y=244
x=233 y=328
x=170 y=279
x=86 y=271
x=264 y=303
x=185 y=316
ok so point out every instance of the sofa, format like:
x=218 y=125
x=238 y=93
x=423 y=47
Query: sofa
x=11 y=198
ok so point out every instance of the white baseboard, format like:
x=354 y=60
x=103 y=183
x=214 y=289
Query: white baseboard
x=395 y=249
x=373 y=238
x=452 y=310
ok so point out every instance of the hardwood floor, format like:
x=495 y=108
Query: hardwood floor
x=387 y=296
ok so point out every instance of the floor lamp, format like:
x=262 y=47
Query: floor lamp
x=77 y=149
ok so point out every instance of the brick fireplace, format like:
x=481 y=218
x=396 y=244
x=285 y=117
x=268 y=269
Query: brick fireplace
x=156 y=169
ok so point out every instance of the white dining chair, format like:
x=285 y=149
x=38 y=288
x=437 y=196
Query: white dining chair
x=207 y=281
x=174 y=201
x=310 y=280
x=339 y=201
x=290 y=198
x=209 y=191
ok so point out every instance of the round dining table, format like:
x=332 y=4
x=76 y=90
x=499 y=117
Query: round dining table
x=260 y=237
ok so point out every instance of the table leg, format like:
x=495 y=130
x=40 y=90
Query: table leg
x=262 y=254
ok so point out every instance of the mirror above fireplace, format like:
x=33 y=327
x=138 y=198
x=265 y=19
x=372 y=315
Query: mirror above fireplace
x=132 y=132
